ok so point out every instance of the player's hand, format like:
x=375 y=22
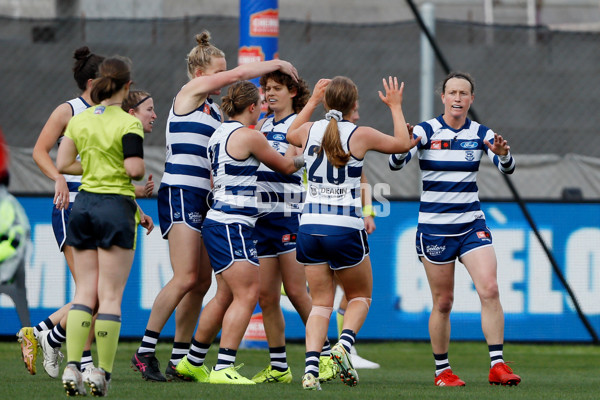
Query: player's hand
x=318 y=93
x=500 y=146
x=149 y=187
x=61 y=193
x=146 y=222
x=369 y=224
x=393 y=92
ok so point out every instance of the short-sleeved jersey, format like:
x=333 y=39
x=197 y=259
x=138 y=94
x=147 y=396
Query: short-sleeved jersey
x=98 y=135
x=282 y=195
x=449 y=160
x=74 y=181
x=234 y=181
x=332 y=202
x=187 y=135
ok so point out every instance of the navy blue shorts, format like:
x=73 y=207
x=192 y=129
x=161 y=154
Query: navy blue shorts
x=445 y=249
x=227 y=243
x=180 y=206
x=102 y=220
x=276 y=235
x=60 y=219
x=339 y=251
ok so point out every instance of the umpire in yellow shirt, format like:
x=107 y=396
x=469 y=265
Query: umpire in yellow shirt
x=103 y=222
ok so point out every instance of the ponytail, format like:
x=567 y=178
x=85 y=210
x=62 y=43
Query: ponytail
x=332 y=144
x=113 y=73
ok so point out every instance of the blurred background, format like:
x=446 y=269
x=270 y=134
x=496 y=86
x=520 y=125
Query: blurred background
x=536 y=65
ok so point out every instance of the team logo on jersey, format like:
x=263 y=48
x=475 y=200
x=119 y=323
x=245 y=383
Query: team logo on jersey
x=440 y=145
x=483 y=235
x=468 y=145
x=469 y=156
x=195 y=217
x=434 y=250
x=99 y=110
x=276 y=145
x=289 y=238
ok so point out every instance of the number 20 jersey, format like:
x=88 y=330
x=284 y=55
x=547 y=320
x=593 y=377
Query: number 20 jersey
x=332 y=203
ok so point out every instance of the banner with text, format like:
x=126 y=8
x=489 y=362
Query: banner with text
x=536 y=306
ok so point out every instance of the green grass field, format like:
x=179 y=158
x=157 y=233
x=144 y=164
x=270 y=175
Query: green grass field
x=548 y=372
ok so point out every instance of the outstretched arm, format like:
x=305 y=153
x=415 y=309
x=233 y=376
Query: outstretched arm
x=298 y=131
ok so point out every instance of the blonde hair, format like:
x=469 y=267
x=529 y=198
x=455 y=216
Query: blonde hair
x=201 y=56
x=341 y=95
x=239 y=96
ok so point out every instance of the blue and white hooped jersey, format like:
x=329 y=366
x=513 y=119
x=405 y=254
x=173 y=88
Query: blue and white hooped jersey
x=187 y=135
x=281 y=195
x=74 y=181
x=234 y=181
x=333 y=194
x=449 y=160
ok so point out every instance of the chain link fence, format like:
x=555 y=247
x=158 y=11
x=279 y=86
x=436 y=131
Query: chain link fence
x=536 y=87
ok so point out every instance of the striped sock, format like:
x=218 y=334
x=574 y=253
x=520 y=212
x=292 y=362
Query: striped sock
x=225 y=359
x=45 y=325
x=197 y=353
x=496 y=354
x=57 y=336
x=441 y=363
x=86 y=359
x=180 y=349
x=326 y=350
x=278 y=358
x=149 y=342
x=347 y=339
x=312 y=363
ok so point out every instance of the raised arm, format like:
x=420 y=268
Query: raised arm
x=201 y=86
x=298 y=131
x=366 y=138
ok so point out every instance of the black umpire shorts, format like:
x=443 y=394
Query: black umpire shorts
x=102 y=220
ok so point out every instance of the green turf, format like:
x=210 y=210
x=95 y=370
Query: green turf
x=548 y=372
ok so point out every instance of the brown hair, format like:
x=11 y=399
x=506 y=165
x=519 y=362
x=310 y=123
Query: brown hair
x=113 y=73
x=201 y=55
x=459 y=75
x=300 y=87
x=341 y=95
x=86 y=66
x=239 y=96
x=134 y=99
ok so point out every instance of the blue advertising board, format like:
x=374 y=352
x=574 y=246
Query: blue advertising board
x=536 y=306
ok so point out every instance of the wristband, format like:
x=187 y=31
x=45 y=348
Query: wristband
x=299 y=161
x=368 y=211
x=505 y=158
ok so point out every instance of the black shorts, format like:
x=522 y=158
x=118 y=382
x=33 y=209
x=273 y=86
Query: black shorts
x=102 y=220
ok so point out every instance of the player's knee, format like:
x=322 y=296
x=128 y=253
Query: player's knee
x=320 y=311
x=443 y=304
x=360 y=300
